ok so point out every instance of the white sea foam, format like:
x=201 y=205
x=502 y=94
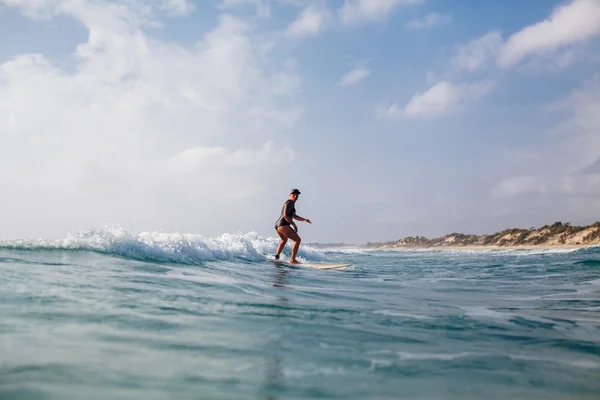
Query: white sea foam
x=482 y=312
x=593 y=282
x=433 y=356
x=350 y=250
x=585 y=364
x=393 y=313
x=187 y=248
x=201 y=277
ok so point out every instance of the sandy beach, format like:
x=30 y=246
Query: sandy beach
x=491 y=247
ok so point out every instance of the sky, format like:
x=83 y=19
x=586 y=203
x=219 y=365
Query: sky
x=393 y=117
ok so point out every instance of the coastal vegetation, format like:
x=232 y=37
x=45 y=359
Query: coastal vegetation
x=557 y=234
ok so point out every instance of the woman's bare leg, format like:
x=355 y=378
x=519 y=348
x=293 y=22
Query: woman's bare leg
x=288 y=232
x=284 y=240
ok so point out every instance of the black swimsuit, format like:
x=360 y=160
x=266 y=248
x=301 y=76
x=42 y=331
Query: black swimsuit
x=288 y=209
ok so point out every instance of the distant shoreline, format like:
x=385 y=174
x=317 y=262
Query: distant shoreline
x=483 y=247
x=556 y=236
x=456 y=248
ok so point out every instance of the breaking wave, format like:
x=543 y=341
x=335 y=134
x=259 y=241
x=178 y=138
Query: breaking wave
x=185 y=248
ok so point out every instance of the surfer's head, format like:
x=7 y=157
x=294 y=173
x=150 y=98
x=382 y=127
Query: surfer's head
x=294 y=193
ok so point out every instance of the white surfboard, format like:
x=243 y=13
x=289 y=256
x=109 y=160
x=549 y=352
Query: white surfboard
x=324 y=266
x=312 y=265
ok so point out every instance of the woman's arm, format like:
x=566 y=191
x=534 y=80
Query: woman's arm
x=299 y=218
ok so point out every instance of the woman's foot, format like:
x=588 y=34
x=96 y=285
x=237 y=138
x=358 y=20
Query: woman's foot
x=277 y=256
x=295 y=262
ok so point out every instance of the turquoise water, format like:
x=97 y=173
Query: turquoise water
x=108 y=315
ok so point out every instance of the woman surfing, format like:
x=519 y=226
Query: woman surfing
x=286 y=227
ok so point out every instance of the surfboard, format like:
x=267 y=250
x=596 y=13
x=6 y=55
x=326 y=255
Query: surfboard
x=311 y=265
x=324 y=266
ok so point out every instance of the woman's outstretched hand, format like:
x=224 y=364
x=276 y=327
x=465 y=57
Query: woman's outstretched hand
x=309 y=221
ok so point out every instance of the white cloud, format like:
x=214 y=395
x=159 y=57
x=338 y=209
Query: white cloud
x=581 y=131
x=429 y=21
x=239 y=168
x=568 y=25
x=521 y=160
x=444 y=97
x=357 y=74
x=593 y=168
x=99 y=135
x=571 y=23
x=391 y=111
x=517 y=186
x=575 y=143
x=262 y=7
x=178 y=6
x=310 y=22
x=355 y=12
x=196 y=159
x=479 y=52
x=134 y=12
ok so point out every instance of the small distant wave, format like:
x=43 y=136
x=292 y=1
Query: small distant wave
x=392 y=313
x=349 y=250
x=580 y=363
x=403 y=356
x=590 y=250
x=432 y=356
x=482 y=312
x=184 y=248
x=407 y=356
x=588 y=263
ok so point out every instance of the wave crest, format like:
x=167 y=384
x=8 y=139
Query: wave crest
x=185 y=248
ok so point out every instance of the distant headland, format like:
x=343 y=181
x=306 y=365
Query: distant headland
x=558 y=234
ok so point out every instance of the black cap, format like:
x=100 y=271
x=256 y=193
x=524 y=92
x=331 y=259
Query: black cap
x=294 y=191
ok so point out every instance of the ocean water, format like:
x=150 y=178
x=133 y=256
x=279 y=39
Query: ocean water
x=108 y=315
